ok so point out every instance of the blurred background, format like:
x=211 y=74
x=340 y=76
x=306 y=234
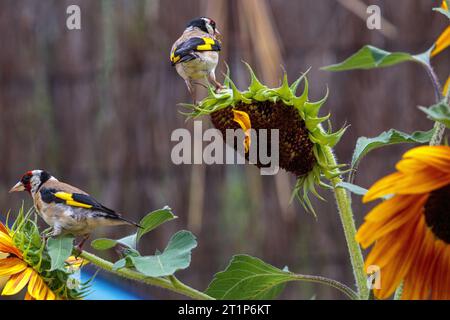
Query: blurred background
x=96 y=108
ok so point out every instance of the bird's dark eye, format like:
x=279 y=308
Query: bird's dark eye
x=213 y=24
x=26 y=179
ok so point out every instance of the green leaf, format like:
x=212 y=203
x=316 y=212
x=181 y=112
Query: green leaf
x=153 y=220
x=103 y=243
x=59 y=249
x=439 y=112
x=370 y=57
x=176 y=256
x=353 y=188
x=250 y=278
x=364 y=145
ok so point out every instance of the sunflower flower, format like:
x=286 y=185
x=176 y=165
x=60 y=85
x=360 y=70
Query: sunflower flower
x=19 y=272
x=411 y=230
x=301 y=137
x=25 y=262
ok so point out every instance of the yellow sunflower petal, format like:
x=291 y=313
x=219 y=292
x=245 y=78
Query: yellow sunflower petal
x=11 y=266
x=3 y=229
x=399 y=183
x=243 y=120
x=36 y=287
x=378 y=189
x=28 y=297
x=7 y=245
x=400 y=264
x=50 y=295
x=435 y=156
x=17 y=282
x=394 y=213
x=442 y=42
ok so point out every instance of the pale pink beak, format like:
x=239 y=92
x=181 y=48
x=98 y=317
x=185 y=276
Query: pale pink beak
x=18 y=187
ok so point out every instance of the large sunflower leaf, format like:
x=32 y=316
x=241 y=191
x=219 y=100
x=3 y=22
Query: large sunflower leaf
x=439 y=112
x=176 y=256
x=247 y=277
x=364 y=145
x=59 y=249
x=370 y=57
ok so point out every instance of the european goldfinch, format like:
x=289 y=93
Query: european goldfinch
x=195 y=54
x=68 y=210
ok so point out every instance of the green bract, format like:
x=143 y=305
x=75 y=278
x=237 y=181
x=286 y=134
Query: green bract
x=302 y=139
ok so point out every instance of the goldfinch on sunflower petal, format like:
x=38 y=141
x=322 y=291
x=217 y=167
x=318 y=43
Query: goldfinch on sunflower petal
x=195 y=54
x=68 y=210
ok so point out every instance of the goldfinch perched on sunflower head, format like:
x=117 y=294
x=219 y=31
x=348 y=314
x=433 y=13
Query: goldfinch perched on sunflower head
x=68 y=210
x=195 y=54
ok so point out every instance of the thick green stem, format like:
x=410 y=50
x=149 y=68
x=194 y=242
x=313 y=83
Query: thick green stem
x=438 y=134
x=172 y=285
x=439 y=128
x=348 y=223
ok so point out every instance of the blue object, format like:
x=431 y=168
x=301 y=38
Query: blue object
x=102 y=289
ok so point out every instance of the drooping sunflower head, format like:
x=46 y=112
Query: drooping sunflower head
x=302 y=138
x=411 y=230
x=25 y=262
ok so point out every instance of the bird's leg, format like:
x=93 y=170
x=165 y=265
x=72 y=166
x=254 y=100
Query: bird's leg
x=192 y=90
x=51 y=232
x=212 y=79
x=79 y=246
x=46 y=234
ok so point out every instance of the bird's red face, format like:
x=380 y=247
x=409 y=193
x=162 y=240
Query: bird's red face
x=24 y=184
x=31 y=181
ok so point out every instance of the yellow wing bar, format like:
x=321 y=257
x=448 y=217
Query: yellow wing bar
x=68 y=198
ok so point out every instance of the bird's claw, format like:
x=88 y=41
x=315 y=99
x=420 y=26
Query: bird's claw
x=219 y=88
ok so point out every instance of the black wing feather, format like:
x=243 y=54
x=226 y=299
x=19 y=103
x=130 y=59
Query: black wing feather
x=186 y=51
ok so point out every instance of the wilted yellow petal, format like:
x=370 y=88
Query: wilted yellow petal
x=17 y=282
x=243 y=120
x=76 y=263
x=447 y=83
x=11 y=266
x=442 y=42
